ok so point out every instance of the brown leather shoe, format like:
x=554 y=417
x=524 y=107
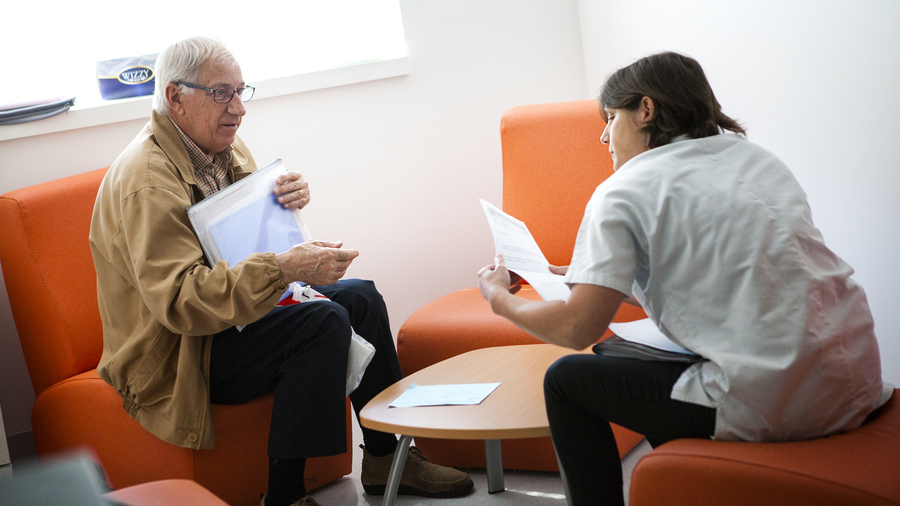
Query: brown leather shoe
x=419 y=477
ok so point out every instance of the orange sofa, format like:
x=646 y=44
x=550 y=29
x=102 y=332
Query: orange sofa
x=552 y=161
x=50 y=278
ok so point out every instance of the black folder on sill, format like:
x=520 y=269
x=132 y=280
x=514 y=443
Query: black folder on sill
x=24 y=114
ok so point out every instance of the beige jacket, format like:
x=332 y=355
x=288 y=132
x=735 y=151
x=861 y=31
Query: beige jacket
x=160 y=302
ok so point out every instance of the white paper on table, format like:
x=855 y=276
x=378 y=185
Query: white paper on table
x=444 y=395
x=647 y=333
x=514 y=241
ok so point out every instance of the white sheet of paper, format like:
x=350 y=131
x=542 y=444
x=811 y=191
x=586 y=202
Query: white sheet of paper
x=647 y=333
x=444 y=395
x=513 y=240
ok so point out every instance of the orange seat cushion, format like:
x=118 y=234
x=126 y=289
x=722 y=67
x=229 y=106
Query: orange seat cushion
x=860 y=467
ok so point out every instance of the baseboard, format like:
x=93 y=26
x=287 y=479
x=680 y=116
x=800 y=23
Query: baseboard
x=21 y=447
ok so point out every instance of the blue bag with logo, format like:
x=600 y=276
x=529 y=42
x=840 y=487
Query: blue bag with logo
x=126 y=77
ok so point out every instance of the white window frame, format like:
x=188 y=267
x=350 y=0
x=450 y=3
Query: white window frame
x=285 y=48
x=139 y=108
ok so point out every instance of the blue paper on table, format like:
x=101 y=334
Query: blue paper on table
x=246 y=218
x=444 y=395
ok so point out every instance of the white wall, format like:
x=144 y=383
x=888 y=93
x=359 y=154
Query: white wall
x=816 y=82
x=396 y=166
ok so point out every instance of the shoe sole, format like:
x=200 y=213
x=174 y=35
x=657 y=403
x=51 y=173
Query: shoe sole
x=407 y=490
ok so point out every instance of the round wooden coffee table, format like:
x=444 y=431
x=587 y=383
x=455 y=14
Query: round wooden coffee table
x=514 y=410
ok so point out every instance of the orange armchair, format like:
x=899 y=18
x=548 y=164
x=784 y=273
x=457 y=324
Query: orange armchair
x=552 y=161
x=50 y=278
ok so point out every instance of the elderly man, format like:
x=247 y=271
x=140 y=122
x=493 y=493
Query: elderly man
x=171 y=342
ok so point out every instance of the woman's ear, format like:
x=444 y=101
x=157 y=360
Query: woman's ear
x=647 y=110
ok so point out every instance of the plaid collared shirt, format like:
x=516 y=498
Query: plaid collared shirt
x=211 y=172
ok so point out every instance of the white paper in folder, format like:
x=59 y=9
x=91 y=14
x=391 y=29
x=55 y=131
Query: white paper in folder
x=245 y=218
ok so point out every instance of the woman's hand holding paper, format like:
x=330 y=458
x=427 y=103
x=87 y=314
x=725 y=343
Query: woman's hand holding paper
x=559 y=270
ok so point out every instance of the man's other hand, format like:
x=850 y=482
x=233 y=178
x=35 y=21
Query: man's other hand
x=315 y=262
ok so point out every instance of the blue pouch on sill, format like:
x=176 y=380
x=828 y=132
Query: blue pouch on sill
x=126 y=77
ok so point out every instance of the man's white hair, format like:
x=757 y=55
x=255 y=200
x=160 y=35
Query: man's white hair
x=181 y=62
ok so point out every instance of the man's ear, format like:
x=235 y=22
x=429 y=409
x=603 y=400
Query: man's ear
x=174 y=98
x=647 y=110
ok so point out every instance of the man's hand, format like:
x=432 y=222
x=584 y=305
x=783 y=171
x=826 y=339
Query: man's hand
x=317 y=263
x=292 y=190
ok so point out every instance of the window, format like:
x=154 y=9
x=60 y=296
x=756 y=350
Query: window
x=53 y=51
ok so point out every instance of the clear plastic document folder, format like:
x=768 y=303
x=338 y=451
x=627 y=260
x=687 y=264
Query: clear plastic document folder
x=246 y=218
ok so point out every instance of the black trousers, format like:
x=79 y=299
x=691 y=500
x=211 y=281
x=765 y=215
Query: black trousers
x=299 y=353
x=583 y=393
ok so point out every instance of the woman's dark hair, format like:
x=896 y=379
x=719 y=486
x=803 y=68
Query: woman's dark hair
x=684 y=101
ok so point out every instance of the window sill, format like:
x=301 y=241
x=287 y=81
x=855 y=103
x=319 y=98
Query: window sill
x=139 y=108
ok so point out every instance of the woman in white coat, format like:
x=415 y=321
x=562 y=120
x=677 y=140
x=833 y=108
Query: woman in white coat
x=712 y=235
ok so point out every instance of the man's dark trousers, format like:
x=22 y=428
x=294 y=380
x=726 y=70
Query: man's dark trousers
x=299 y=353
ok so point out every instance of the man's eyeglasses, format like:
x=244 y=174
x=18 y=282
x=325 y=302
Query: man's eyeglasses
x=222 y=95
